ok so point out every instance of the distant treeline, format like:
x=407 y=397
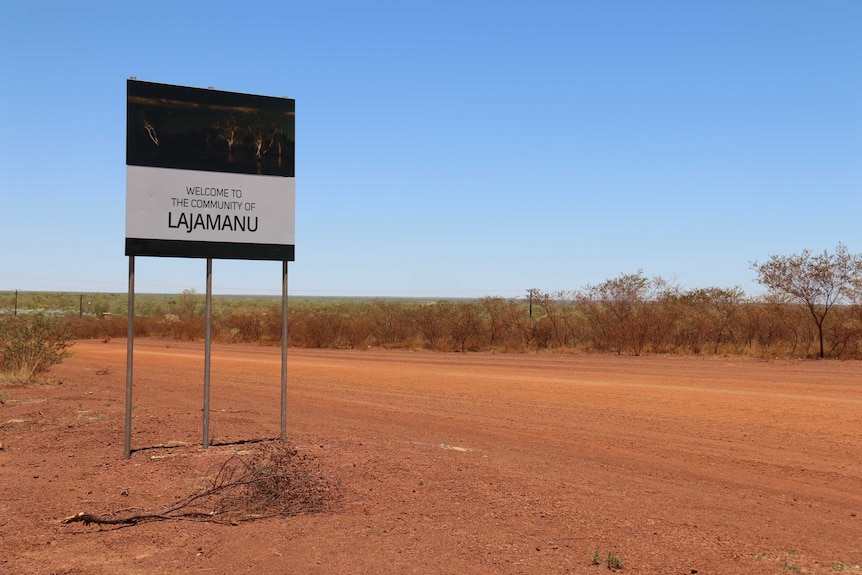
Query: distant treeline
x=631 y=314
x=67 y=304
x=813 y=308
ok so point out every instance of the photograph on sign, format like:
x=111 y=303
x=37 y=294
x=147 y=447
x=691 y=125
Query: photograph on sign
x=209 y=173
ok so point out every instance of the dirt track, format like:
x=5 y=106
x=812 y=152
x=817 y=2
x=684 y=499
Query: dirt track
x=448 y=463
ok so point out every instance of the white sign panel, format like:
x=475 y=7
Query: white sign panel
x=169 y=204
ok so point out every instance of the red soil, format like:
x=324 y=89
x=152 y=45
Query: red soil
x=447 y=463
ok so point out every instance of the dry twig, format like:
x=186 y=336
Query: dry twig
x=274 y=480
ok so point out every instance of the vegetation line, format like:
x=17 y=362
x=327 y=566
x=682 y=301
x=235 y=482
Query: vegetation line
x=813 y=309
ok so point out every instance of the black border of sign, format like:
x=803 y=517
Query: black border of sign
x=217 y=250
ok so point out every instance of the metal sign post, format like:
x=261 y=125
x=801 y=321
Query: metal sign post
x=207 y=352
x=284 y=351
x=127 y=451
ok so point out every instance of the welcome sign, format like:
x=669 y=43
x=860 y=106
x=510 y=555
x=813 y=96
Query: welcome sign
x=209 y=173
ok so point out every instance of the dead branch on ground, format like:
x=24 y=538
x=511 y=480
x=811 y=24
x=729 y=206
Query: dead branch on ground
x=273 y=480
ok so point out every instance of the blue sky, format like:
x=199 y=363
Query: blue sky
x=453 y=148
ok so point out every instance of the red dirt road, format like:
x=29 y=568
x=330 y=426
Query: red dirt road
x=447 y=463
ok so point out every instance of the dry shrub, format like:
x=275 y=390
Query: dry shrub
x=273 y=480
x=270 y=481
x=31 y=345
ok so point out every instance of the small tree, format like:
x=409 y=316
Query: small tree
x=620 y=310
x=466 y=326
x=710 y=314
x=558 y=312
x=433 y=320
x=189 y=315
x=30 y=345
x=229 y=131
x=262 y=138
x=818 y=282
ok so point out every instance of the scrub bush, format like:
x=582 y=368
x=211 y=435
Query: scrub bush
x=30 y=345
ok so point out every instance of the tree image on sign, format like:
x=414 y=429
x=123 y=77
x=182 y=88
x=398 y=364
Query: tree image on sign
x=228 y=130
x=189 y=128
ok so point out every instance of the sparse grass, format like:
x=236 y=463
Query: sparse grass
x=844 y=567
x=613 y=560
x=789 y=566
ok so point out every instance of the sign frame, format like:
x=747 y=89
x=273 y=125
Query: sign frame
x=209 y=174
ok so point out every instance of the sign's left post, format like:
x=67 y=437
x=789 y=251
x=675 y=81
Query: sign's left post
x=127 y=443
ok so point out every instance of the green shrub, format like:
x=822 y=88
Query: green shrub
x=30 y=345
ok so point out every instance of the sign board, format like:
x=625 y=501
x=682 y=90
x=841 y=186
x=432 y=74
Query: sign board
x=209 y=174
